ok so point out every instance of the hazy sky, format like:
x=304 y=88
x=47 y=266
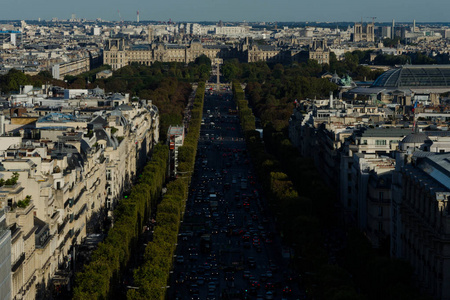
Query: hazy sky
x=231 y=10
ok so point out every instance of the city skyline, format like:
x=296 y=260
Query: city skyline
x=232 y=11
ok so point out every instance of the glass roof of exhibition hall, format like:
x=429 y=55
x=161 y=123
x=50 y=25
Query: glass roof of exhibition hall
x=415 y=76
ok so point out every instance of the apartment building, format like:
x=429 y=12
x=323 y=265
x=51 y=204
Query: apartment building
x=5 y=258
x=369 y=189
x=420 y=219
x=74 y=67
x=61 y=185
x=393 y=179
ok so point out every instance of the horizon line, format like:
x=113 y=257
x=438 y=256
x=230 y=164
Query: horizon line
x=210 y=21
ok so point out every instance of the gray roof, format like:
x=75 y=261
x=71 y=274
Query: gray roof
x=415 y=76
x=97 y=90
x=438 y=167
x=216 y=46
x=416 y=138
x=175 y=46
x=266 y=47
x=385 y=132
x=140 y=47
x=124 y=107
x=74 y=158
x=101 y=134
x=367 y=90
x=99 y=120
x=117 y=96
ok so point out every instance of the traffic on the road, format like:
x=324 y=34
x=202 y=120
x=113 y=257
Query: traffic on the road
x=228 y=247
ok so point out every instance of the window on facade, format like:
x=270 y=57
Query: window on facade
x=380 y=226
x=380 y=211
x=380 y=142
x=364 y=142
x=349 y=202
x=380 y=196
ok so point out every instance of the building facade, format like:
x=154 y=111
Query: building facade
x=118 y=53
x=421 y=219
x=363 y=33
x=319 y=52
x=5 y=258
x=61 y=180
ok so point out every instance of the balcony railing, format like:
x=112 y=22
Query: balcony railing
x=19 y=262
x=64 y=223
x=79 y=196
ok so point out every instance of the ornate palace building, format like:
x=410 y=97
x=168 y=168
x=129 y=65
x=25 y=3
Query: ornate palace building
x=319 y=51
x=118 y=53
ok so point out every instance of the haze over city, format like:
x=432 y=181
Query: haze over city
x=233 y=10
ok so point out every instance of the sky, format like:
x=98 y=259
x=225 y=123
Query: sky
x=231 y=10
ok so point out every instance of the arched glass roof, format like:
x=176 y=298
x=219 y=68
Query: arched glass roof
x=57 y=117
x=415 y=76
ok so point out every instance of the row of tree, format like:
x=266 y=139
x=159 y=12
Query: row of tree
x=108 y=261
x=187 y=152
x=151 y=278
x=272 y=89
x=295 y=215
x=245 y=113
x=305 y=212
x=258 y=71
x=135 y=77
